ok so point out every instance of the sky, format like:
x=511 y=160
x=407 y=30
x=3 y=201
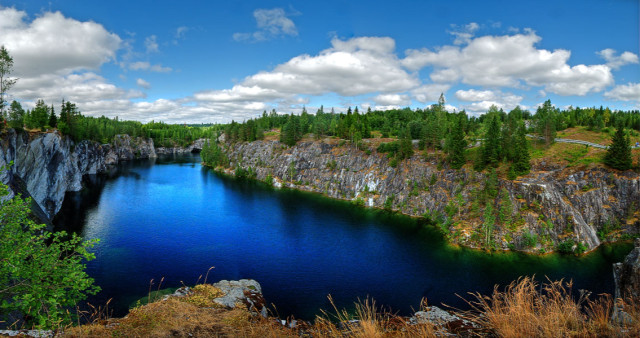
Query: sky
x=217 y=61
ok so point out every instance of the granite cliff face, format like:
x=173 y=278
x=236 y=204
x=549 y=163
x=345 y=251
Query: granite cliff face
x=547 y=210
x=49 y=165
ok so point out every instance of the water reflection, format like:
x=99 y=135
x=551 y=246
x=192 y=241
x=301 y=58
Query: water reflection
x=171 y=218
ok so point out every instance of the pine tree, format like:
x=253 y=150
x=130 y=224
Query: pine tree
x=491 y=144
x=458 y=145
x=521 y=157
x=53 y=120
x=619 y=153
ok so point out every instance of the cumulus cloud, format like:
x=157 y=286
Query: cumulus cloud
x=52 y=43
x=510 y=61
x=628 y=92
x=616 y=61
x=84 y=87
x=392 y=100
x=142 y=83
x=482 y=100
x=271 y=23
x=350 y=67
x=429 y=92
x=475 y=95
x=144 y=65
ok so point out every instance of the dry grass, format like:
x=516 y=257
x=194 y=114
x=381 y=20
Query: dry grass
x=527 y=309
x=181 y=318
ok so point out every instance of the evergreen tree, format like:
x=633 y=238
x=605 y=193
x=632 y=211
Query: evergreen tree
x=53 y=120
x=40 y=115
x=458 y=145
x=406 y=145
x=16 y=115
x=546 y=122
x=619 y=153
x=491 y=144
x=521 y=157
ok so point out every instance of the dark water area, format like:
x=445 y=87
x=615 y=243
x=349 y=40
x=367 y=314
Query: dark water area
x=172 y=218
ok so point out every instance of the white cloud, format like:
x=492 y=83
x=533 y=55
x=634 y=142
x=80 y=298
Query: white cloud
x=151 y=44
x=510 y=61
x=482 y=100
x=475 y=95
x=85 y=87
x=429 y=92
x=144 y=65
x=351 y=67
x=628 y=92
x=392 y=99
x=271 y=23
x=616 y=61
x=464 y=33
x=142 y=83
x=52 y=43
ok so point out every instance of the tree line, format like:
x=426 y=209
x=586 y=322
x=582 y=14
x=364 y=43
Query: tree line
x=502 y=134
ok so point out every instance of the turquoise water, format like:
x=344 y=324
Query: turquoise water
x=173 y=218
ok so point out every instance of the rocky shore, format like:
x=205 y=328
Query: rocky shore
x=550 y=209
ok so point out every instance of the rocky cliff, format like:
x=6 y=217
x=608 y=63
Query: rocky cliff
x=195 y=147
x=550 y=209
x=48 y=164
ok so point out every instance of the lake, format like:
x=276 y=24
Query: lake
x=172 y=218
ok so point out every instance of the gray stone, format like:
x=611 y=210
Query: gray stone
x=245 y=292
x=581 y=201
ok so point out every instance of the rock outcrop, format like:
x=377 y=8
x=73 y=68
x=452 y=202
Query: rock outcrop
x=48 y=165
x=626 y=275
x=548 y=209
x=195 y=147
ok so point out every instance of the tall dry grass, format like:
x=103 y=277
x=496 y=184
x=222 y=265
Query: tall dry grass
x=525 y=308
x=528 y=309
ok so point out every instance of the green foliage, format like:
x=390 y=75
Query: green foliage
x=433 y=179
x=331 y=165
x=291 y=131
x=529 y=239
x=16 y=115
x=291 y=170
x=491 y=185
x=567 y=247
x=214 y=156
x=521 y=157
x=619 y=153
x=487 y=226
x=546 y=122
x=393 y=163
x=6 y=67
x=390 y=147
x=42 y=274
x=268 y=180
x=491 y=148
x=359 y=202
x=388 y=203
x=457 y=145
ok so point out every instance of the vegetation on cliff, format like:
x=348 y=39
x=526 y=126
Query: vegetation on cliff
x=42 y=274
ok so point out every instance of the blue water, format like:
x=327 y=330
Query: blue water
x=173 y=218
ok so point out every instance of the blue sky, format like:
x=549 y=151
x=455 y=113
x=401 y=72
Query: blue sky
x=213 y=61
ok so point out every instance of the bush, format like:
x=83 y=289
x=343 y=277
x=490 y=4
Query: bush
x=42 y=274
